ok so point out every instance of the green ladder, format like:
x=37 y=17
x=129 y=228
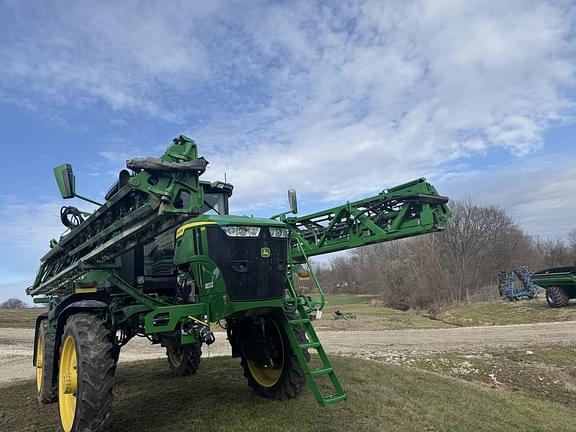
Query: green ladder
x=311 y=374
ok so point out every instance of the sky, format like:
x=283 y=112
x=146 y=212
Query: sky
x=338 y=99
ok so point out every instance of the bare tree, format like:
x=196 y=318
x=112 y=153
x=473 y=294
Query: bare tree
x=572 y=238
x=572 y=243
x=344 y=275
x=13 y=303
x=459 y=264
x=555 y=253
x=446 y=267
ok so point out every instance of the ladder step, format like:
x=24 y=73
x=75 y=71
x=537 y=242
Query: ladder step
x=292 y=327
x=310 y=345
x=323 y=371
x=329 y=400
x=298 y=321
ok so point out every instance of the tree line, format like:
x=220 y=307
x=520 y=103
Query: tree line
x=457 y=265
x=13 y=303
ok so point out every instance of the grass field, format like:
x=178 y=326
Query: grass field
x=381 y=397
x=372 y=315
x=348 y=299
x=376 y=317
x=20 y=318
x=502 y=312
x=541 y=372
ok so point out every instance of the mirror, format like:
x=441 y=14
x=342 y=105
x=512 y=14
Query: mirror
x=293 y=201
x=66 y=181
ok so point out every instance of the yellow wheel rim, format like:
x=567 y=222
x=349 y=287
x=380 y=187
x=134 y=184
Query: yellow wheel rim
x=67 y=384
x=264 y=376
x=176 y=357
x=39 y=361
x=267 y=376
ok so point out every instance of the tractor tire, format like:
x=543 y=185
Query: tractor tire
x=85 y=374
x=184 y=360
x=283 y=383
x=557 y=297
x=47 y=390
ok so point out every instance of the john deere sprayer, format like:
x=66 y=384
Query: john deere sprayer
x=162 y=258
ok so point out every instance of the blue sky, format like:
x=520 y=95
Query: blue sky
x=337 y=99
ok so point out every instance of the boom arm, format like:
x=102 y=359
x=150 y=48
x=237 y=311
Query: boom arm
x=407 y=210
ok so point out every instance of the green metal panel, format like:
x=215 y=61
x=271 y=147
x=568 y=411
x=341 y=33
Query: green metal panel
x=556 y=277
x=65 y=180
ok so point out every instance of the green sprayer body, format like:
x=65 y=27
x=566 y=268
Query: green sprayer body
x=162 y=258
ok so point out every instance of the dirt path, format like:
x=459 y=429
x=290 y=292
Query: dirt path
x=16 y=344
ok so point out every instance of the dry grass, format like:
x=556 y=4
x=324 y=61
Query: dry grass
x=542 y=372
x=503 y=312
x=381 y=397
x=20 y=318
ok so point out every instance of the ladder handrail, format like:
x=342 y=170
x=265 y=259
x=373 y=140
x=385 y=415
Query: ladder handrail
x=301 y=298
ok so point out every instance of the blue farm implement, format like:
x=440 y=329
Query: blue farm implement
x=507 y=284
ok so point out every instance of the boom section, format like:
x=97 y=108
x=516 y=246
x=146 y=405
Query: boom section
x=407 y=210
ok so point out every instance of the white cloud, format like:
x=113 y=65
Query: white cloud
x=336 y=99
x=537 y=192
x=26 y=230
x=118 y=53
x=373 y=95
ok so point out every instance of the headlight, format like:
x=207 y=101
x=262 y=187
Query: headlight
x=242 y=231
x=279 y=232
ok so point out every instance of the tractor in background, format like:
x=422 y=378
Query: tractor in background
x=560 y=285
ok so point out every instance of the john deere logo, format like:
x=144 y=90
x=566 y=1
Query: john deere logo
x=265 y=252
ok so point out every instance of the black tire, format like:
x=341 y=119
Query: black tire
x=292 y=378
x=47 y=393
x=557 y=297
x=116 y=353
x=184 y=360
x=95 y=370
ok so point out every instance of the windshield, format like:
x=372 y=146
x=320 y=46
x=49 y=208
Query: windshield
x=214 y=203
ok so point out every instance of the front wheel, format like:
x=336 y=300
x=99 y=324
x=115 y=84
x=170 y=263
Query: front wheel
x=184 y=360
x=557 y=297
x=85 y=374
x=270 y=366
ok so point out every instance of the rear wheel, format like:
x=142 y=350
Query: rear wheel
x=270 y=366
x=46 y=389
x=85 y=374
x=184 y=360
x=557 y=297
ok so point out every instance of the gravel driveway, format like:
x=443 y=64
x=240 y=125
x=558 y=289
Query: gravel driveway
x=16 y=343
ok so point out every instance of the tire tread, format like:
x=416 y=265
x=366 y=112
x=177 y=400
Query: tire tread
x=96 y=367
x=557 y=297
